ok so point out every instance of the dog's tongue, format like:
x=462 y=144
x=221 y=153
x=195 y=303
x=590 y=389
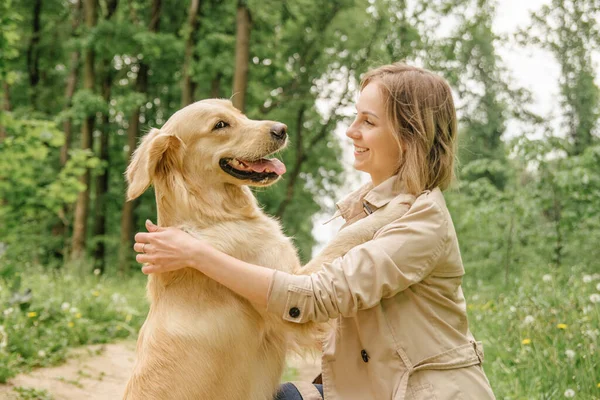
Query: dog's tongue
x=273 y=165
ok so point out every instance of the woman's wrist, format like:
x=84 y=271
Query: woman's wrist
x=200 y=255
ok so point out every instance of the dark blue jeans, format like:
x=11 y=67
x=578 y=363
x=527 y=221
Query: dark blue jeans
x=288 y=391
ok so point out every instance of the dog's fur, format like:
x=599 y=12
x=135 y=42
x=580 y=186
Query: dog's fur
x=201 y=340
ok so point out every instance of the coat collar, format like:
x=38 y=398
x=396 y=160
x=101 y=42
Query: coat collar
x=368 y=198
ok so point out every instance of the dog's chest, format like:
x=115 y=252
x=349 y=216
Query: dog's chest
x=198 y=307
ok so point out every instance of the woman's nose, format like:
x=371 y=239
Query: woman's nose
x=352 y=132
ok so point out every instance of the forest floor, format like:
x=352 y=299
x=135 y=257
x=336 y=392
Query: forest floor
x=100 y=372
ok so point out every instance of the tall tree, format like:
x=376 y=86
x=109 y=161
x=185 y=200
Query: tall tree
x=78 y=241
x=99 y=230
x=74 y=62
x=188 y=85
x=133 y=134
x=570 y=29
x=33 y=52
x=470 y=61
x=242 y=55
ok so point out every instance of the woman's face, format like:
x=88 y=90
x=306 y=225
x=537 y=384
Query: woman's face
x=376 y=151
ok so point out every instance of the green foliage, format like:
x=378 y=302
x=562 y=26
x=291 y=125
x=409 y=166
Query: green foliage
x=86 y=103
x=553 y=29
x=9 y=36
x=32 y=187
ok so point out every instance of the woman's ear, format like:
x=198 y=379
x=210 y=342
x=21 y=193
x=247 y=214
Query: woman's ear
x=156 y=155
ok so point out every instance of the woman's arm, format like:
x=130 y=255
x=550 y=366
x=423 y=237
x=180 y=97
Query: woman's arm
x=403 y=253
x=169 y=249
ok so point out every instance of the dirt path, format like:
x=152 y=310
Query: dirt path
x=100 y=372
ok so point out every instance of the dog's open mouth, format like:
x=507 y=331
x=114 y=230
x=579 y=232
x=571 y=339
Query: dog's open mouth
x=256 y=171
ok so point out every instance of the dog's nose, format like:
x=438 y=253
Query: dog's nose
x=279 y=131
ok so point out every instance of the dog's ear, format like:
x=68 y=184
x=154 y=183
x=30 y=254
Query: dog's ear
x=156 y=154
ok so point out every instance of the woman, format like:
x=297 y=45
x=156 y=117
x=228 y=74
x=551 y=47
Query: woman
x=401 y=314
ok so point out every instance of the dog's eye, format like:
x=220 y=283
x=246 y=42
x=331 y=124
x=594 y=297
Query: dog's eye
x=221 y=125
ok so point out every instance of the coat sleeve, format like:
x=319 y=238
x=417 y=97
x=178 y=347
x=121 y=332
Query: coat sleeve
x=403 y=253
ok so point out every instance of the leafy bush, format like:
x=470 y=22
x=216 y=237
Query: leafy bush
x=44 y=313
x=540 y=332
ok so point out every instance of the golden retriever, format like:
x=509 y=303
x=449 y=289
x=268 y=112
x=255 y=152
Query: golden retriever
x=200 y=340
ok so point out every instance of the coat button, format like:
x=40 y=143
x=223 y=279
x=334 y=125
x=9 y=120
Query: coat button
x=364 y=355
x=294 y=312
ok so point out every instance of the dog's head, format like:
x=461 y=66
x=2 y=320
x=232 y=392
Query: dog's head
x=208 y=140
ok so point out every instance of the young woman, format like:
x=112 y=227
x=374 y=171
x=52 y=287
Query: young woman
x=401 y=314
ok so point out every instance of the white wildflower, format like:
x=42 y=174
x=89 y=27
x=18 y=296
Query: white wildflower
x=42 y=353
x=475 y=297
x=587 y=278
x=117 y=298
x=8 y=311
x=73 y=310
x=592 y=333
x=570 y=353
x=65 y=306
x=513 y=309
x=97 y=271
x=595 y=298
x=547 y=278
x=529 y=320
x=598 y=287
x=569 y=393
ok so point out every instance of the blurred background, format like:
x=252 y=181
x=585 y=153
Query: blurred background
x=83 y=80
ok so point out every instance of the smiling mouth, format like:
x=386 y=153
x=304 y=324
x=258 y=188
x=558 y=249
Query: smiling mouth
x=256 y=171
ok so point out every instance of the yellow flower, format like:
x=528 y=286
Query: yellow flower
x=598 y=385
x=561 y=326
x=96 y=293
x=32 y=314
x=118 y=328
x=128 y=317
x=71 y=324
x=78 y=315
x=526 y=341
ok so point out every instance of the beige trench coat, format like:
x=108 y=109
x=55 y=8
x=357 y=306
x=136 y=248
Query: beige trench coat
x=401 y=314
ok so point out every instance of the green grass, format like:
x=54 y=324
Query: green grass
x=540 y=333
x=24 y=393
x=63 y=311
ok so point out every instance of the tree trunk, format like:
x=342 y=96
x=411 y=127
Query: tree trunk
x=6 y=106
x=127 y=213
x=99 y=231
x=83 y=200
x=33 y=53
x=187 y=84
x=215 y=86
x=242 y=54
x=61 y=227
x=71 y=85
x=291 y=182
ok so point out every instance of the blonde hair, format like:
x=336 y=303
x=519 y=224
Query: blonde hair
x=420 y=107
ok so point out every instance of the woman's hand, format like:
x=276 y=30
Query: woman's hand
x=165 y=249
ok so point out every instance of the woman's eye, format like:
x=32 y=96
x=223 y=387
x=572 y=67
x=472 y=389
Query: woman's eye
x=221 y=125
x=368 y=122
